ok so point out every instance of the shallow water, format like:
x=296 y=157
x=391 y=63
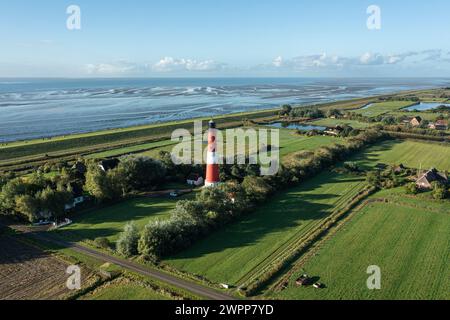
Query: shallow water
x=297 y=126
x=423 y=106
x=35 y=108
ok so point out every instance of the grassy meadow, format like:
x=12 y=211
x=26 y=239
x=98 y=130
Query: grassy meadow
x=411 y=153
x=407 y=238
x=380 y=108
x=109 y=221
x=328 y=122
x=233 y=253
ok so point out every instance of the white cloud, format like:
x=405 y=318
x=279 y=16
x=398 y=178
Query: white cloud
x=278 y=61
x=169 y=64
x=335 y=62
x=323 y=63
x=116 y=68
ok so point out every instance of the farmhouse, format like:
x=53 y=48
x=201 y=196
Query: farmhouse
x=425 y=181
x=336 y=131
x=304 y=280
x=109 y=164
x=78 y=197
x=79 y=168
x=399 y=169
x=416 y=121
x=439 y=125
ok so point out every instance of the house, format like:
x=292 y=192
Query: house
x=108 y=164
x=399 y=169
x=79 y=167
x=195 y=179
x=439 y=125
x=416 y=121
x=304 y=280
x=336 y=131
x=425 y=181
x=78 y=197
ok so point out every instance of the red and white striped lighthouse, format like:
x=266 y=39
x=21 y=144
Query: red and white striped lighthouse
x=212 y=163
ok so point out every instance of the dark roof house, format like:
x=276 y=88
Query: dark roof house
x=439 y=125
x=79 y=167
x=425 y=181
x=108 y=164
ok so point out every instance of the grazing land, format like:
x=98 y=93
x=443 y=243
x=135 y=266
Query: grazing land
x=380 y=108
x=413 y=154
x=291 y=142
x=146 y=147
x=328 y=122
x=406 y=237
x=233 y=254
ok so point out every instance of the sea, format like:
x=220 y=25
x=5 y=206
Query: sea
x=42 y=108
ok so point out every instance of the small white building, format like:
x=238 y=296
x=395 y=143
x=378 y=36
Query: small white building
x=195 y=180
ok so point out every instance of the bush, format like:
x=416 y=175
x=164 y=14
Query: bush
x=411 y=188
x=102 y=242
x=128 y=241
x=439 y=191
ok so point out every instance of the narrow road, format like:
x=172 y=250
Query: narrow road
x=135 y=267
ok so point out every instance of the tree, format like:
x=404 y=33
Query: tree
x=142 y=173
x=54 y=201
x=373 y=178
x=96 y=183
x=127 y=245
x=439 y=191
x=10 y=191
x=28 y=206
x=189 y=210
x=256 y=188
x=285 y=110
x=333 y=113
x=104 y=186
x=215 y=200
x=411 y=188
x=351 y=166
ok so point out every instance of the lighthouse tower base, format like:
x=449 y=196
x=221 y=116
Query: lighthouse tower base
x=211 y=184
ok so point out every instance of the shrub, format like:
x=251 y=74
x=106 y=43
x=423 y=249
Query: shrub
x=128 y=240
x=411 y=188
x=102 y=242
x=439 y=191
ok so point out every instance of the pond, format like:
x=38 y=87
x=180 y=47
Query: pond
x=423 y=106
x=367 y=106
x=297 y=126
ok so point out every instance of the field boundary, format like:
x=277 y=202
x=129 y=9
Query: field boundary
x=268 y=274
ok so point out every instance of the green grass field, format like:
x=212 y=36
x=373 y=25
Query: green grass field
x=407 y=238
x=328 y=122
x=381 y=108
x=231 y=254
x=109 y=222
x=414 y=154
x=289 y=142
x=140 y=148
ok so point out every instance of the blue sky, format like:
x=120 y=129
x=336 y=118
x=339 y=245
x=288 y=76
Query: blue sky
x=224 y=38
